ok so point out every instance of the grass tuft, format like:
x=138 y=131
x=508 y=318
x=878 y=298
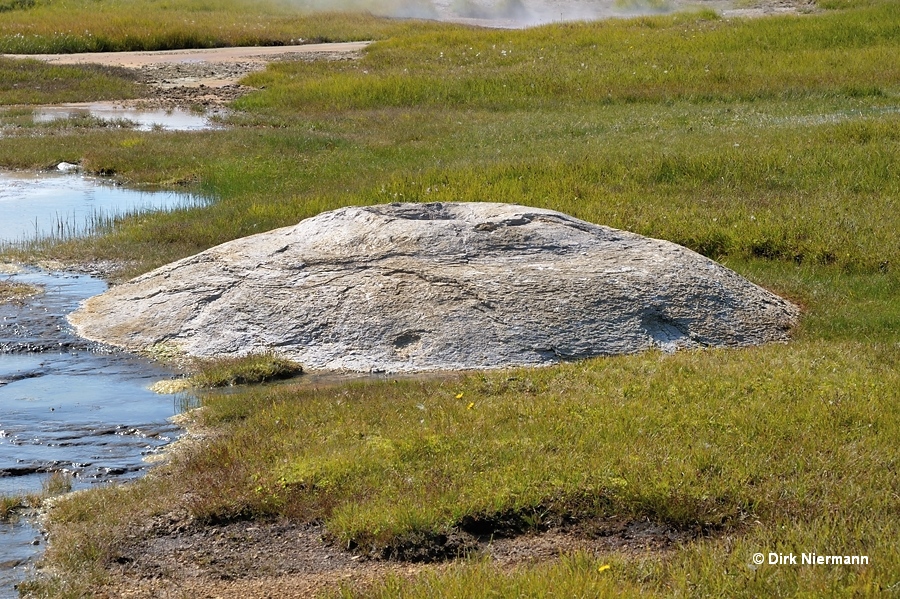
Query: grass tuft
x=246 y=370
x=11 y=292
x=57 y=483
x=9 y=505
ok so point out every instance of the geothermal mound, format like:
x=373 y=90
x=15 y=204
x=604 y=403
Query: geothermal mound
x=407 y=287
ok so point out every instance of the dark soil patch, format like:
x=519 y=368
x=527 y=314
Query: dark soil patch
x=175 y=556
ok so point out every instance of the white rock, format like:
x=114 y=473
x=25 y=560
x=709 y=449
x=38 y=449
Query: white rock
x=411 y=287
x=67 y=167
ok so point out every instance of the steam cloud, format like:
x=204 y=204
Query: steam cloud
x=498 y=13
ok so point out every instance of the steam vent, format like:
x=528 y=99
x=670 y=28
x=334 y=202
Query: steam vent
x=412 y=287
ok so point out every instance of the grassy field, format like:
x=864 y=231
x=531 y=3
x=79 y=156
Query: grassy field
x=770 y=144
x=51 y=26
x=34 y=82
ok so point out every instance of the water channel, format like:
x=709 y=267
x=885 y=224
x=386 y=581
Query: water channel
x=67 y=404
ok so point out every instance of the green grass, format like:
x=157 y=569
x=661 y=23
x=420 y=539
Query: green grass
x=58 y=26
x=35 y=82
x=770 y=144
x=691 y=57
x=782 y=448
x=247 y=370
x=735 y=179
x=801 y=172
x=644 y=436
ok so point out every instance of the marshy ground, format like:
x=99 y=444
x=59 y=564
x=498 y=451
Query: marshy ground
x=768 y=144
x=198 y=77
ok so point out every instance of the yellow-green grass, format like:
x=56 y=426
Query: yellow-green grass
x=57 y=26
x=245 y=370
x=783 y=169
x=658 y=59
x=726 y=179
x=764 y=164
x=35 y=82
x=782 y=448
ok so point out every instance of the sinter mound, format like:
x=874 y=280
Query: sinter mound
x=407 y=287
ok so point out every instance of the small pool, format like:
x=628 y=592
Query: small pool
x=67 y=205
x=140 y=119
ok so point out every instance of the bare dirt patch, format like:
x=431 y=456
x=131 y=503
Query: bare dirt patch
x=208 y=77
x=171 y=556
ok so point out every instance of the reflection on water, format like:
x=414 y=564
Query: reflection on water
x=56 y=205
x=174 y=119
x=67 y=404
x=20 y=543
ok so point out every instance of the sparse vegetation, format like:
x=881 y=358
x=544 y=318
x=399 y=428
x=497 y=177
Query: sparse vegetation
x=16 y=292
x=8 y=506
x=740 y=139
x=56 y=483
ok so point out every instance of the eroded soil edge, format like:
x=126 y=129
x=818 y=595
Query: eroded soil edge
x=171 y=554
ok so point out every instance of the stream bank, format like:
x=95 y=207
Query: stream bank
x=67 y=405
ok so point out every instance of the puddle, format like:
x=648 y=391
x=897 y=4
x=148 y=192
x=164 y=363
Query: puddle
x=142 y=120
x=57 y=205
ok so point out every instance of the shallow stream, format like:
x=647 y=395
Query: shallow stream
x=67 y=404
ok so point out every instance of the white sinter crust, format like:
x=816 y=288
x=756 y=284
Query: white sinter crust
x=413 y=287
